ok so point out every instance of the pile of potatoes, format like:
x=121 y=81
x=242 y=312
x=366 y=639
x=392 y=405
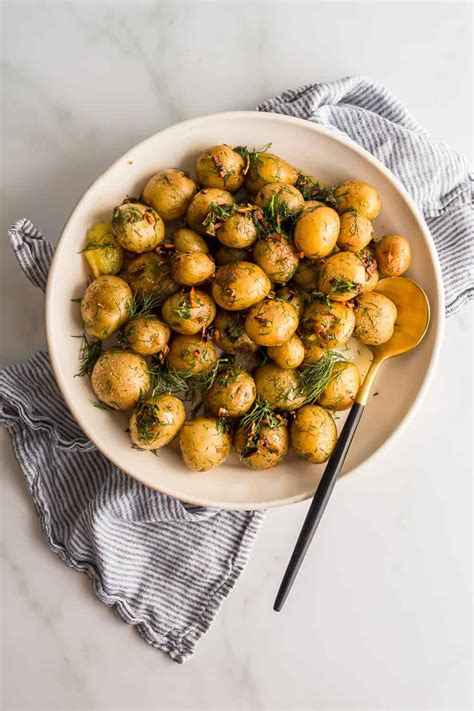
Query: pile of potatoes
x=239 y=284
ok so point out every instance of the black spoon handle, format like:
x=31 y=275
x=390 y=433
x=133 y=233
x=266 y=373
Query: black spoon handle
x=321 y=497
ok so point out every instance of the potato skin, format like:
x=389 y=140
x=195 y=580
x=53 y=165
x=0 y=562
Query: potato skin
x=294 y=296
x=289 y=354
x=191 y=354
x=169 y=192
x=232 y=394
x=328 y=325
x=313 y=434
x=359 y=196
x=149 y=273
x=186 y=240
x=204 y=443
x=238 y=231
x=191 y=268
x=240 y=285
x=220 y=167
x=105 y=306
x=277 y=257
x=312 y=354
x=367 y=257
x=200 y=206
x=355 y=232
x=341 y=391
x=316 y=232
x=189 y=314
x=341 y=276
x=229 y=255
x=282 y=388
x=375 y=317
x=156 y=421
x=137 y=227
x=393 y=254
x=230 y=334
x=269 y=449
x=271 y=322
x=268 y=168
x=282 y=195
x=120 y=378
x=107 y=256
x=146 y=335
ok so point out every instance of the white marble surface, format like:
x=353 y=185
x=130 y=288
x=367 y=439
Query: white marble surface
x=380 y=616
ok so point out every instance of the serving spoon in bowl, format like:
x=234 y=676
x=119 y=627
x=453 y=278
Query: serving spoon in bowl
x=413 y=317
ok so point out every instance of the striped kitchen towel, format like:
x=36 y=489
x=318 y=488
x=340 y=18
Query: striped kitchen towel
x=163 y=565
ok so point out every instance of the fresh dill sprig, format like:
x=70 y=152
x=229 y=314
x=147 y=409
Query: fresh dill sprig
x=141 y=305
x=260 y=414
x=327 y=195
x=308 y=187
x=315 y=295
x=101 y=405
x=88 y=355
x=95 y=244
x=169 y=380
x=317 y=376
x=216 y=215
x=339 y=285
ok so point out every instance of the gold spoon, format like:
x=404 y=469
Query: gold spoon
x=413 y=317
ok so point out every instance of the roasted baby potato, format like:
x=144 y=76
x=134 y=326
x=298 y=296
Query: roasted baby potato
x=146 y=335
x=289 y=354
x=268 y=168
x=355 y=232
x=137 y=227
x=105 y=306
x=282 y=388
x=191 y=268
x=280 y=199
x=328 y=324
x=220 y=167
x=169 y=192
x=232 y=393
x=313 y=434
x=393 y=255
x=277 y=257
x=271 y=322
x=341 y=391
x=359 y=196
x=375 y=317
x=186 y=240
x=263 y=448
x=156 y=421
x=229 y=255
x=205 y=443
x=191 y=354
x=316 y=232
x=149 y=273
x=341 y=276
x=120 y=378
x=103 y=253
x=189 y=312
x=240 y=285
x=208 y=207
x=238 y=231
x=230 y=334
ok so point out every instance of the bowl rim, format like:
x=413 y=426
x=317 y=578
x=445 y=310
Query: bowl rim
x=439 y=309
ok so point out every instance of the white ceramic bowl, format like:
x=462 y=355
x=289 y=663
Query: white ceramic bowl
x=315 y=150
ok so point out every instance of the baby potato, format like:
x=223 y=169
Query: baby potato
x=316 y=232
x=271 y=322
x=283 y=199
x=146 y=335
x=307 y=274
x=359 y=196
x=169 y=192
x=238 y=231
x=263 y=449
x=220 y=167
x=355 y=232
x=191 y=354
x=189 y=312
x=240 y=285
x=103 y=253
x=294 y=296
x=375 y=317
x=342 y=389
x=120 y=378
x=186 y=240
x=190 y=268
x=393 y=255
x=229 y=255
x=282 y=388
x=203 y=206
x=232 y=393
x=312 y=354
x=328 y=325
x=105 y=306
x=156 y=421
x=341 y=276
x=268 y=168
x=277 y=257
x=205 y=443
x=367 y=257
x=230 y=334
x=290 y=354
x=313 y=434
x=137 y=227
x=148 y=274
x=310 y=205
